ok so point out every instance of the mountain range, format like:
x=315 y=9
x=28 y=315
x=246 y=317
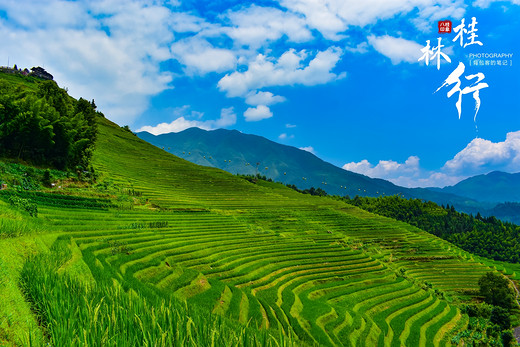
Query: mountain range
x=494 y=187
x=241 y=153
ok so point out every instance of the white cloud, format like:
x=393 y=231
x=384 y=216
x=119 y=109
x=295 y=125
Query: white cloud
x=255 y=26
x=227 y=118
x=199 y=56
x=360 y=48
x=257 y=113
x=107 y=51
x=486 y=3
x=332 y=17
x=289 y=69
x=385 y=168
x=407 y=174
x=263 y=98
x=284 y=136
x=482 y=156
x=290 y=126
x=479 y=157
x=187 y=23
x=396 y=48
x=309 y=149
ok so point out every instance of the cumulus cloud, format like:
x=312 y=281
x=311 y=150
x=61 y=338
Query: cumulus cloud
x=227 y=118
x=482 y=156
x=385 y=168
x=396 y=48
x=309 y=149
x=407 y=174
x=486 y=3
x=109 y=51
x=255 y=26
x=360 y=48
x=263 y=98
x=199 y=56
x=332 y=17
x=253 y=114
x=115 y=50
x=289 y=69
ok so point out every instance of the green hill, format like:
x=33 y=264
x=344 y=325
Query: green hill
x=165 y=252
x=235 y=152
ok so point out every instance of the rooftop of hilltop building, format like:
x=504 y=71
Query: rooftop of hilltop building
x=37 y=71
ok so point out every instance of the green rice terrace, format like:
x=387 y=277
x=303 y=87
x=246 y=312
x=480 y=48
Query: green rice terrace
x=159 y=252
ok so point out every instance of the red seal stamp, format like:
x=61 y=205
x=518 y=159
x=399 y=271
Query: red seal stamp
x=444 y=26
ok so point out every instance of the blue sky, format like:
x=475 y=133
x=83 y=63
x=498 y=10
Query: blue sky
x=340 y=78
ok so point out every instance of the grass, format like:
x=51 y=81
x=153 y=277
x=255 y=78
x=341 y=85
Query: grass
x=196 y=256
x=105 y=315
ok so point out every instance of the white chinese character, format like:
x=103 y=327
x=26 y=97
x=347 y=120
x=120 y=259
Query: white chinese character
x=427 y=52
x=460 y=30
x=438 y=54
x=472 y=33
x=454 y=78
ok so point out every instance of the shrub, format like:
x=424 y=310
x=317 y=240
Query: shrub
x=496 y=290
x=24 y=204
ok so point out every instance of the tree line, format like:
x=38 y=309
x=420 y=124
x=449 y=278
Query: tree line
x=46 y=126
x=487 y=237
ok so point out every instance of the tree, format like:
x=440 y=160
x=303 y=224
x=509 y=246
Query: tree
x=500 y=317
x=507 y=338
x=496 y=290
x=47 y=127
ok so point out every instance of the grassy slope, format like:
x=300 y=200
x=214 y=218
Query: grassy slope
x=172 y=183
x=262 y=254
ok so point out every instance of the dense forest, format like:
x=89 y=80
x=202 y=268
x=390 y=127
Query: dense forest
x=45 y=126
x=488 y=237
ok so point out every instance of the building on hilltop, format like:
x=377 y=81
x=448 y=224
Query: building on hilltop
x=41 y=73
x=35 y=71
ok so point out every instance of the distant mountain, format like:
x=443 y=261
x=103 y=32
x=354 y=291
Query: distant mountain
x=508 y=211
x=235 y=152
x=494 y=187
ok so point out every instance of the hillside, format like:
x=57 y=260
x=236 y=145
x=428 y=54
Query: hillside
x=236 y=152
x=496 y=186
x=118 y=259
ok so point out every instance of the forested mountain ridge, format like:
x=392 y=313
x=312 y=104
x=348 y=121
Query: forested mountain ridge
x=484 y=236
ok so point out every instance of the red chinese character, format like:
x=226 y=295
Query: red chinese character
x=444 y=26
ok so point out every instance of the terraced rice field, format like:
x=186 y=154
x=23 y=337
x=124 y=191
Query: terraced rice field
x=267 y=256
